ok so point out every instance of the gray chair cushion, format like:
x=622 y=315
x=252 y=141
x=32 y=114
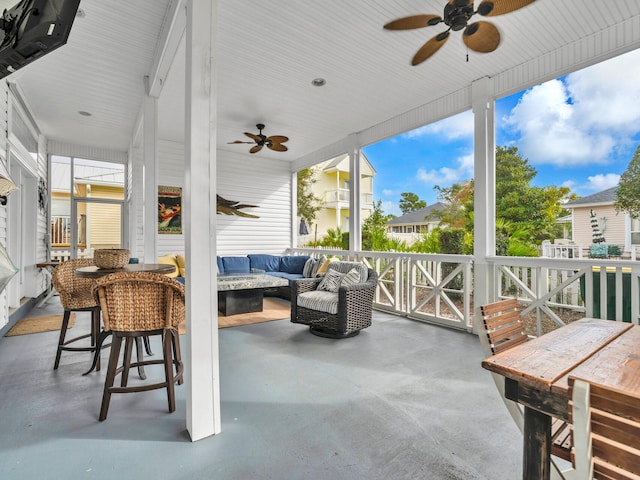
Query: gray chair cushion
x=319 y=300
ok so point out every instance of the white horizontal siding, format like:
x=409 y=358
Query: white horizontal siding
x=254 y=180
x=83 y=151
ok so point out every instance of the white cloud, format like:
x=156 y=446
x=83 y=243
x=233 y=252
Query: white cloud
x=391 y=208
x=583 y=119
x=601 y=182
x=451 y=128
x=387 y=193
x=445 y=176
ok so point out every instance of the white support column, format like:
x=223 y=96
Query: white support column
x=202 y=364
x=150 y=166
x=355 y=196
x=484 y=235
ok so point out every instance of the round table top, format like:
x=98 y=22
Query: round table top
x=96 y=272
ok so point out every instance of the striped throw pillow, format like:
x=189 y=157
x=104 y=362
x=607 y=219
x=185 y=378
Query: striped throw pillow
x=350 y=278
x=331 y=281
x=309 y=266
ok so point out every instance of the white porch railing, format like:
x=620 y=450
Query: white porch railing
x=426 y=287
x=439 y=289
x=553 y=289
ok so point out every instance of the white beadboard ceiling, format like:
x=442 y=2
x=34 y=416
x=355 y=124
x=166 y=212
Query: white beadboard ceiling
x=269 y=52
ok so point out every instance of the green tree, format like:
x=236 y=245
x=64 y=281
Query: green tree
x=308 y=203
x=527 y=212
x=628 y=191
x=455 y=199
x=374 y=229
x=334 y=238
x=410 y=202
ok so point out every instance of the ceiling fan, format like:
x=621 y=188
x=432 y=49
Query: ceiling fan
x=478 y=36
x=274 y=142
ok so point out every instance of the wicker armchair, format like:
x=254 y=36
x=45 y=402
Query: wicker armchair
x=76 y=296
x=135 y=305
x=340 y=314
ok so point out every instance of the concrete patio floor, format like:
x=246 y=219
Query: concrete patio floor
x=403 y=400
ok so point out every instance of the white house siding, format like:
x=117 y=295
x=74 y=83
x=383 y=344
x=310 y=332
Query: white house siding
x=614 y=232
x=248 y=179
x=254 y=180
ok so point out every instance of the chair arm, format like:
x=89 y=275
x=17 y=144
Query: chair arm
x=302 y=285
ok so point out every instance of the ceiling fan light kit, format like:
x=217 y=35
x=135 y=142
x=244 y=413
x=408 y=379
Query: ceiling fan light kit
x=273 y=142
x=480 y=36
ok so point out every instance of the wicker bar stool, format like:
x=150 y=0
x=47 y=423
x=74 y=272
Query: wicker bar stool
x=76 y=296
x=134 y=305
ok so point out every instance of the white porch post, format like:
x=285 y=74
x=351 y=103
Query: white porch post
x=201 y=360
x=150 y=166
x=355 y=214
x=484 y=231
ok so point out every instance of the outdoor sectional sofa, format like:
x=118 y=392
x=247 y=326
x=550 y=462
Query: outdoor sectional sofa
x=283 y=266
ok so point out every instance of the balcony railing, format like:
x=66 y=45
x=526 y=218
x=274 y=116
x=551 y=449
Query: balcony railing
x=439 y=288
x=60 y=230
x=340 y=197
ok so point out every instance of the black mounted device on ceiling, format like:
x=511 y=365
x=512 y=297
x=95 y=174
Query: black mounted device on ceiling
x=33 y=28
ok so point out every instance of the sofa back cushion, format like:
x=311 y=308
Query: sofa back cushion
x=268 y=263
x=236 y=264
x=293 y=263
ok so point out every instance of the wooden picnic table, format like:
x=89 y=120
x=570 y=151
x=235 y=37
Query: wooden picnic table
x=537 y=372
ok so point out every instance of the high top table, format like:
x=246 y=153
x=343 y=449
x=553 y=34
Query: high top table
x=537 y=373
x=96 y=272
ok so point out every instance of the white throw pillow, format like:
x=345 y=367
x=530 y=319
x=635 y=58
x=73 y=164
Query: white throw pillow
x=331 y=281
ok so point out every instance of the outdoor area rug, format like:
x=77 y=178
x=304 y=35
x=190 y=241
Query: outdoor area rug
x=273 y=309
x=25 y=326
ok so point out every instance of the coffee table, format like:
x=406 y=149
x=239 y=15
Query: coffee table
x=244 y=292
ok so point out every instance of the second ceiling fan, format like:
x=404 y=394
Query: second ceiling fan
x=478 y=36
x=274 y=142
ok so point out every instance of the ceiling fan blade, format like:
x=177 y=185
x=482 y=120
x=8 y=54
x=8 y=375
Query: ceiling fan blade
x=493 y=8
x=238 y=141
x=415 y=21
x=277 y=147
x=255 y=149
x=278 y=138
x=429 y=48
x=481 y=37
x=253 y=136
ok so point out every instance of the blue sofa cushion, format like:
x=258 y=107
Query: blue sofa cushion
x=267 y=263
x=220 y=265
x=236 y=264
x=293 y=264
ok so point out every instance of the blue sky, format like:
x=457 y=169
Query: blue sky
x=578 y=131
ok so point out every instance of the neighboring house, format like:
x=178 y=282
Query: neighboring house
x=617 y=228
x=332 y=187
x=410 y=227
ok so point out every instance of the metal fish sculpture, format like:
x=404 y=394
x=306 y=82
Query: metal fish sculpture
x=229 y=207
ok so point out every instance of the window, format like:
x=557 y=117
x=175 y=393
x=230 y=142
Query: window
x=635 y=231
